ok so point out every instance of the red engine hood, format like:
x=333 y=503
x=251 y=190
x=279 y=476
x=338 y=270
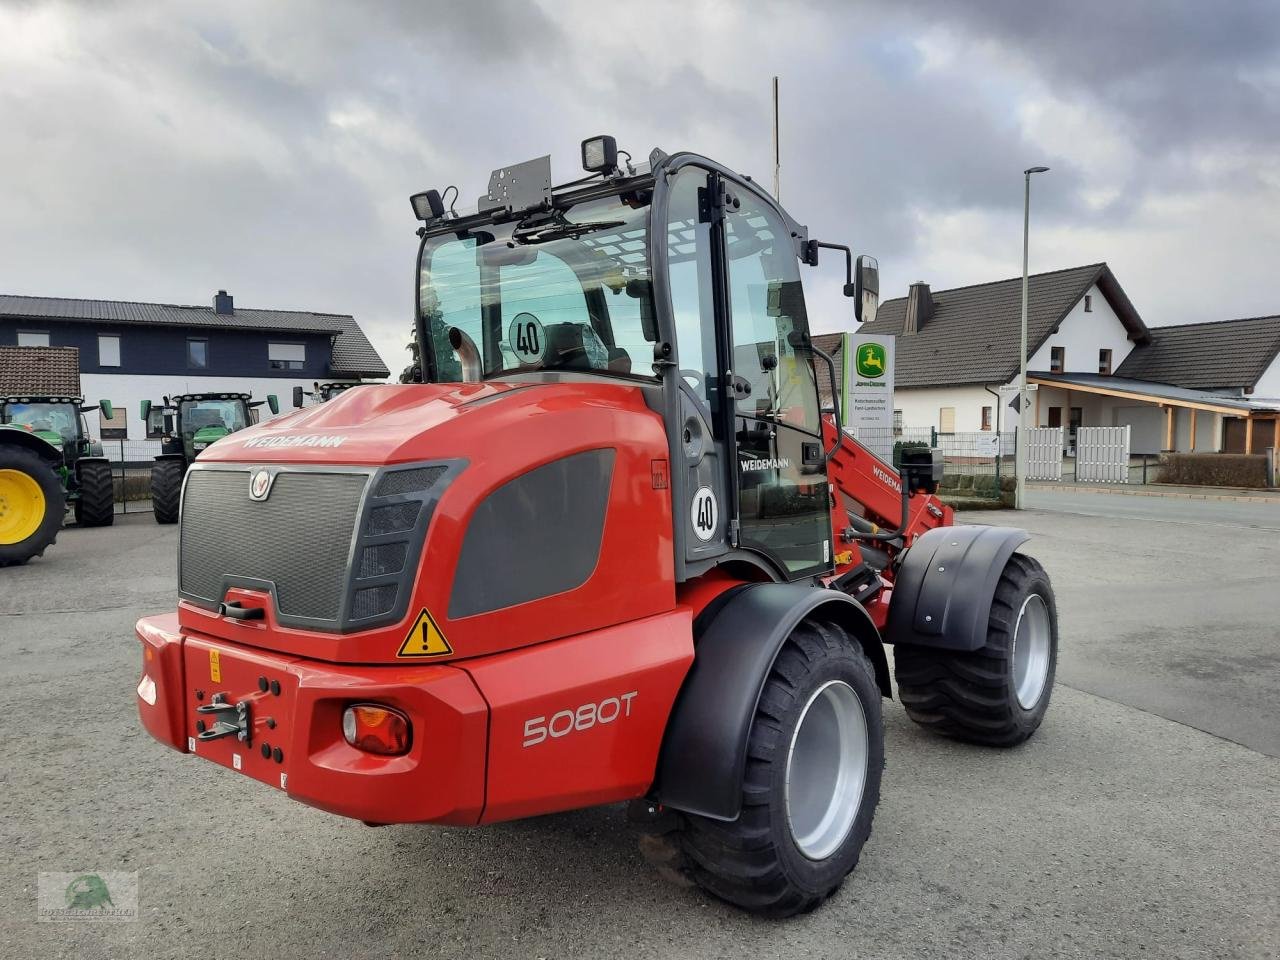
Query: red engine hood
x=376 y=424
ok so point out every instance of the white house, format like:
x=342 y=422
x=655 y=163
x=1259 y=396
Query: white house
x=1207 y=387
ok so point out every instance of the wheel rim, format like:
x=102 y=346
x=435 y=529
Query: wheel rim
x=1031 y=642
x=826 y=769
x=22 y=506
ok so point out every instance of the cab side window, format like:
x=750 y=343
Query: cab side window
x=769 y=319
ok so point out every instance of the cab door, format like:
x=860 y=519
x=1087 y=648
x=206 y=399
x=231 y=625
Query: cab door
x=781 y=482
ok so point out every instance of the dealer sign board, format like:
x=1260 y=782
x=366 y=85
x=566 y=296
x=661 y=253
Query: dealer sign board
x=867 y=404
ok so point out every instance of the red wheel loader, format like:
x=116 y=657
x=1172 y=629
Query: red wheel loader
x=611 y=549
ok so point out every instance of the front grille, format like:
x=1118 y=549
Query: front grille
x=298 y=540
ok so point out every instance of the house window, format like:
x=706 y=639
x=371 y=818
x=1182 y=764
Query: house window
x=287 y=356
x=1088 y=303
x=33 y=338
x=947 y=420
x=1057 y=359
x=1055 y=416
x=986 y=418
x=108 y=350
x=897 y=423
x=197 y=353
x=117 y=428
x=1104 y=361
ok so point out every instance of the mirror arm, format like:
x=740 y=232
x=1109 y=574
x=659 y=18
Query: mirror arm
x=850 y=289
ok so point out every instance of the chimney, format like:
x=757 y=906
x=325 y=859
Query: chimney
x=919 y=308
x=223 y=302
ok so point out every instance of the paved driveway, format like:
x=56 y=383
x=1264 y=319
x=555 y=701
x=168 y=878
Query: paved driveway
x=1114 y=833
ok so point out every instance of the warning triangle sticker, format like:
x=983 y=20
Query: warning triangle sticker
x=424 y=639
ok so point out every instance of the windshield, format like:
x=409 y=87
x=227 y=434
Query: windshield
x=567 y=291
x=59 y=418
x=198 y=414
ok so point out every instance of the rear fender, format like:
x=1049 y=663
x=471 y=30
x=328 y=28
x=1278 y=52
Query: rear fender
x=704 y=749
x=942 y=592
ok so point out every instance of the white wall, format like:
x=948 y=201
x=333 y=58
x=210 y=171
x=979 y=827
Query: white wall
x=921 y=406
x=1268 y=385
x=128 y=391
x=1146 y=422
x=1082 y=335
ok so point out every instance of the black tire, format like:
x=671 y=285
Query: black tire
x=756 y=862
x=974 y=696
x=55 y=501
x=166 y=489
x=96 y=506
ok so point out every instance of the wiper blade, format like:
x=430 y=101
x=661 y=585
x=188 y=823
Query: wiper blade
x=563 y=231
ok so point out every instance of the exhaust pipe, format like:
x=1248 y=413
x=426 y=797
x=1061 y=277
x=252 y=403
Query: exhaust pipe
x=467 y=353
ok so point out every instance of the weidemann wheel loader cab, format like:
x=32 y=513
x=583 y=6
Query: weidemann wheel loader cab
x=191 y=422
x=610 y=550
x=47 y=461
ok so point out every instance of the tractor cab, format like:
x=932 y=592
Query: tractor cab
x=324 y=392
x=679 y=276
x=189 y=423
x=58 y=421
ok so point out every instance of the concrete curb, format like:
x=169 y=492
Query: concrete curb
x=1139 y=490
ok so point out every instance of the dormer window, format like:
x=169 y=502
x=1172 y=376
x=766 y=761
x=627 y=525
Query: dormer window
x=1057 y=359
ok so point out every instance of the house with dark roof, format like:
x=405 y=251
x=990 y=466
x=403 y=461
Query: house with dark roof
x=1094 y=361
x=130 y=351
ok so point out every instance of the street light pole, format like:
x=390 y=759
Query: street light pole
x=1020 y=460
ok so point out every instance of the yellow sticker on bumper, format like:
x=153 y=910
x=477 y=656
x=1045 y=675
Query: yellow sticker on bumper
x=215 y=667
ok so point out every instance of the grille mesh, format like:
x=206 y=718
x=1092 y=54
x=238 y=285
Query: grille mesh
x=382 y=560
x=372 y=601
x=299 y=538
x=393 y=518
x=408 y=481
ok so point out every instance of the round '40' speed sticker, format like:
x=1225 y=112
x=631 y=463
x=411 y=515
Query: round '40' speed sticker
x=704 y=514
x=527 y=338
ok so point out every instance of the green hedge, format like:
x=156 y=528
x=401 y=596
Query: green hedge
x=1214 y=469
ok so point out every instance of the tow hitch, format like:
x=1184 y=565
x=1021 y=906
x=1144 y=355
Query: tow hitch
x=228 y=719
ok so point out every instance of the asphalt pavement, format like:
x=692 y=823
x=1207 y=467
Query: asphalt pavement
x=1122 y=829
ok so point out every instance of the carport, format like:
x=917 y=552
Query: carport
x=1176 y=418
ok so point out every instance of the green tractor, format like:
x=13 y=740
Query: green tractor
x=48 y=460
x=189 y=423
x=325 y=391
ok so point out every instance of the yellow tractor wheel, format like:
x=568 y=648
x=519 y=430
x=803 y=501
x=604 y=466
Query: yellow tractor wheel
x=32 y=504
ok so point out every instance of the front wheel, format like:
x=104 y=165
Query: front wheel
x=166 y=489
x=996 y=695
x=96 y=505
x=32 y=503
x=814 y=759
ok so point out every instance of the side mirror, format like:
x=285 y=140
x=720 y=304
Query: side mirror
x=273 y=403
x=144 y=410
x=297 y=397
x=107 y=410
x=866 y=289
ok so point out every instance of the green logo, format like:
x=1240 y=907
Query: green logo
x=870 y=360
x=88 y=893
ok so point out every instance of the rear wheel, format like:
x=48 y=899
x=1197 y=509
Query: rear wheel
x=996 y=695
x=814 y=759
x=96 y=505
x=32 y=504
x=166 y=489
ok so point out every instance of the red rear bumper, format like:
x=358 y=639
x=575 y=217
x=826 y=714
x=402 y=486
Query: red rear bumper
x=553 y=726
x=295 y=742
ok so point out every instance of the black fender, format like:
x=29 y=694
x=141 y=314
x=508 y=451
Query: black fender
x=29 y=441
x=171 y=456
x=83 y=460
x=736 y=640
x=944 y=585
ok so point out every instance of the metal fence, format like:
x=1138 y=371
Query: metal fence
x=131 y=469
x=975 y=454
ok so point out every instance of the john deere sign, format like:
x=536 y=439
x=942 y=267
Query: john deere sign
x=867 y=401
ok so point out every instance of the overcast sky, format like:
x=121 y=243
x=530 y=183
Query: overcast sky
x=159 y=151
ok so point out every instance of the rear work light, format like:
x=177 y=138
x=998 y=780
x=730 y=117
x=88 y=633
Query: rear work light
x=376 y=729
